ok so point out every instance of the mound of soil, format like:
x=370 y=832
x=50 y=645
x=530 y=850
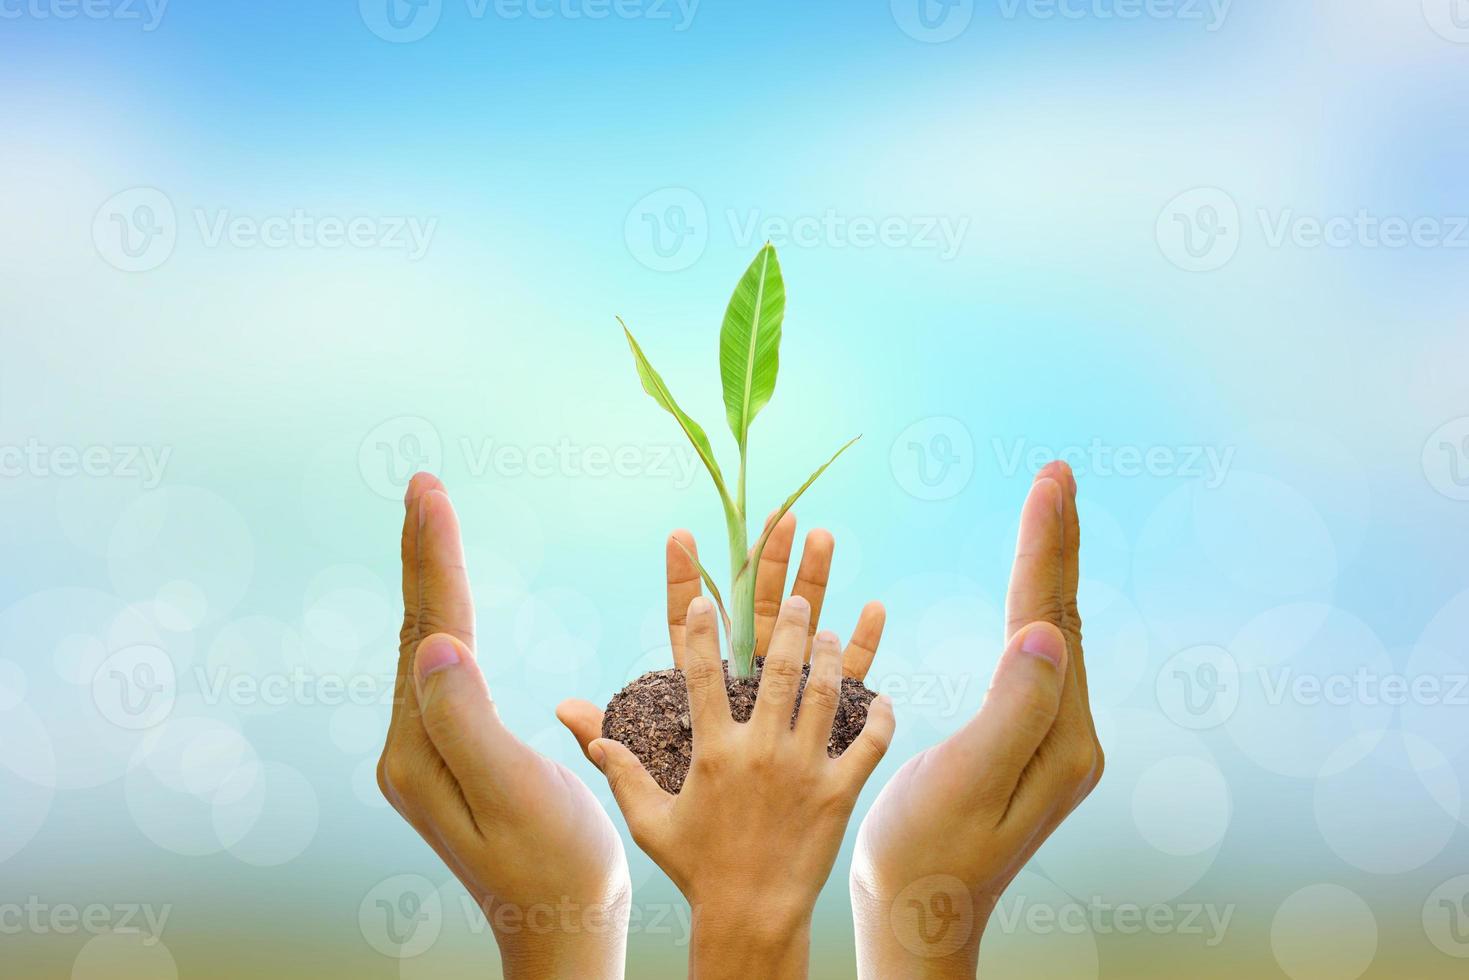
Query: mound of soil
x=651 y=717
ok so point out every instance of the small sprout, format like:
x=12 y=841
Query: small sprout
x=749 y=356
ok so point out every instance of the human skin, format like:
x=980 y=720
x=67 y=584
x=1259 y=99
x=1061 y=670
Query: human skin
x=956 y=823
x=526 y=837
x=754 y=833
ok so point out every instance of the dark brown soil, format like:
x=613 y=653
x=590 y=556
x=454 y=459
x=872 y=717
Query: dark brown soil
x=651 y=717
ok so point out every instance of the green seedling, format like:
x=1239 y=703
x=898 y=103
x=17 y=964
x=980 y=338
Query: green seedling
x=749 y=355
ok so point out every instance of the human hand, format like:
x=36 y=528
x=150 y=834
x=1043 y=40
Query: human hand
x=684 y=586
x=526 y=838
x=957 y=822
x=752 y=836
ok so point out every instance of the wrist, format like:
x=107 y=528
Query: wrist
x=561 y=937
x=748 y=939
x=928 y=927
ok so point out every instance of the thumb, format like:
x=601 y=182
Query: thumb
x=1019 y=711
x=638 y=797
x=582 y=718
x=459 y=717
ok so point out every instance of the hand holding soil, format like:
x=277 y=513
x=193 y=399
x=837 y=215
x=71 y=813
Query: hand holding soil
x=957 y=822
x=520 y=831
x=754 y=832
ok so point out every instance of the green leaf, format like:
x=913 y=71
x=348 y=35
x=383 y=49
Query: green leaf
x=654 y=386
x=749 y=342
x=790 y=502
x=708 y=581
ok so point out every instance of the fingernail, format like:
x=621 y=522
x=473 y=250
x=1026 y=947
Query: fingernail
x=1041 y=642
x=597 y=754
x=827 y=637
x=434 y=654
x=700 y=606
x=798 y=604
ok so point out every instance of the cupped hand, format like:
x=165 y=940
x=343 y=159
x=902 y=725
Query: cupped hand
x=526 y=838
x=957 y=822
x=753 y=834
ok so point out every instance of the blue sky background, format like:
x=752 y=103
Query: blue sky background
x=1302 y=404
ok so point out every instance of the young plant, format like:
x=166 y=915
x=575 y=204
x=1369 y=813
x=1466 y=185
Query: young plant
x=749 y=354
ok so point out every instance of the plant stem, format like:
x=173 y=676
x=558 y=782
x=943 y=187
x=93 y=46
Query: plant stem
x=742 y=640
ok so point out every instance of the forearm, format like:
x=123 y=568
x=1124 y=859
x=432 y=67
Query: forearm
x=929 y=930
x=743 y=944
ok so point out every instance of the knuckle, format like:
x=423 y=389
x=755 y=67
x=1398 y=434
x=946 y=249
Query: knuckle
x=821 y=694
x=1079 y=766
x=702 y=673
x=781 y=670
x=396 y=774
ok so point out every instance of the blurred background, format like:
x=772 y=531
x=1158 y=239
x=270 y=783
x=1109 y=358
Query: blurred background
x=262 y=261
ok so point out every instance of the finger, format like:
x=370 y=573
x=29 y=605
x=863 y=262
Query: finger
x=583 y=719
x=1035 y=579
x=822 y=692
x=408 y=636
x=684 y=587
x=1071 y=573
x=445 y=604
x=704 y=674
x=638 y=797
x=770 y=580
x=812 y=575
x=871 y=744
x=781 y=674
x=1020 y=711
x=862 y=647
x=461 y=720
